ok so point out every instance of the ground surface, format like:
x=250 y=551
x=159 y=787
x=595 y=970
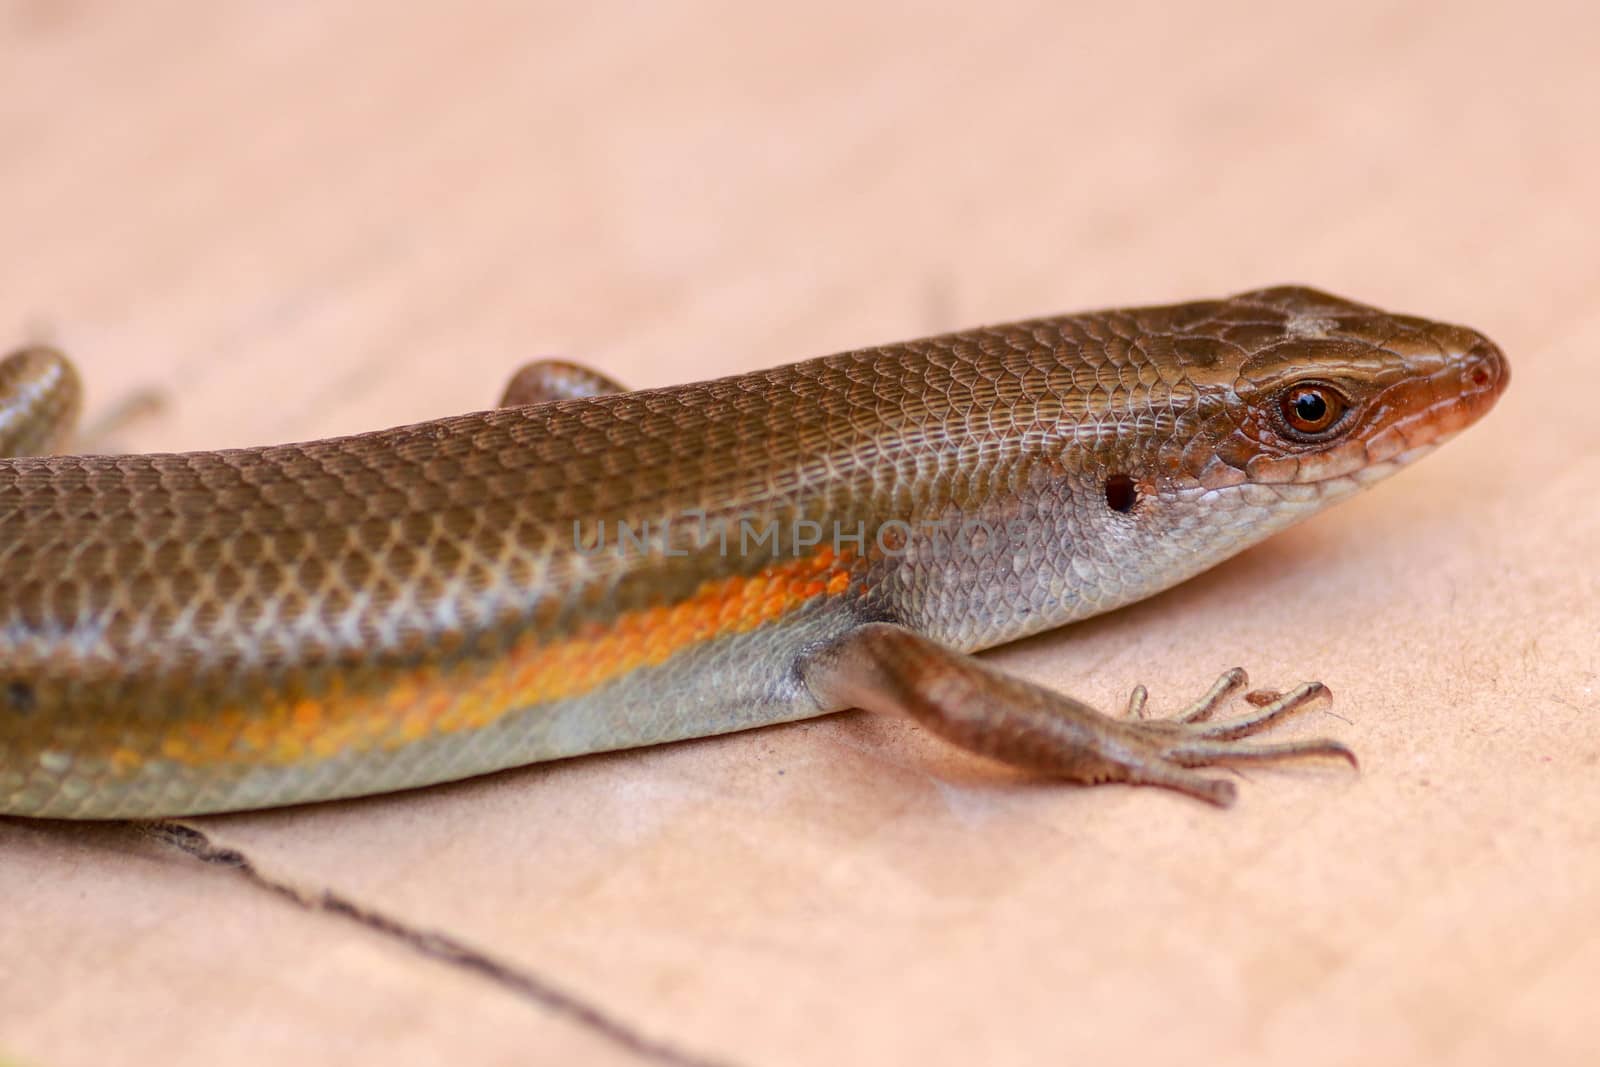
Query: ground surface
x=308 y=219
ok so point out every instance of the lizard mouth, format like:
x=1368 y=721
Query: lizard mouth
x=1429 y=410
x=1407 y=419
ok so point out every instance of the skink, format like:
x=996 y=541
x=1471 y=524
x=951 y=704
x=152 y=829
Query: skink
x=586 y=568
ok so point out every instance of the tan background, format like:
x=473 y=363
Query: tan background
x=304 y=219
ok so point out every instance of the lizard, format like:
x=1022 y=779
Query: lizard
x=587 y=568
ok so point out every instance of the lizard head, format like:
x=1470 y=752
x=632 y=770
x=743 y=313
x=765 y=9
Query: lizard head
x=1251 y=413
x=1321 y=391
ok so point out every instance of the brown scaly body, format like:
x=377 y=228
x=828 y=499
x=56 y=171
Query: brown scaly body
x=603 y=569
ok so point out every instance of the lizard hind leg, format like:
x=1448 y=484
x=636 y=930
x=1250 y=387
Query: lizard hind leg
x=41 y=396
x=887 y=668
x=545 y=380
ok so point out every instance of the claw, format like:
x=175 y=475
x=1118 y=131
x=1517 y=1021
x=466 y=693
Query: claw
x=1218 y=791
x=1224 y=753
x=1298 y=698
x=1221 y=691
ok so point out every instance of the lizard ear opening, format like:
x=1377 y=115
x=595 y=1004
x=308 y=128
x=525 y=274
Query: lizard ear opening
x=1121 y=493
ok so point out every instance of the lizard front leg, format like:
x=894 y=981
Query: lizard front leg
x=544 y=380
x=40 y=397
x=888 y=668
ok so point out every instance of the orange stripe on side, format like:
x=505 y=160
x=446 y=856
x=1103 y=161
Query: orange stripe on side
x=429 y=700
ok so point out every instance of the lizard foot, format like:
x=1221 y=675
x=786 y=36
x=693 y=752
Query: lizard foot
x=1192 y=738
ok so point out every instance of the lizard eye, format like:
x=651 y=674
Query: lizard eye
x=1312 y=409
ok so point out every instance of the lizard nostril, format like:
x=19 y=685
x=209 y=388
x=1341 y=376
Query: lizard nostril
x=1487 y=370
